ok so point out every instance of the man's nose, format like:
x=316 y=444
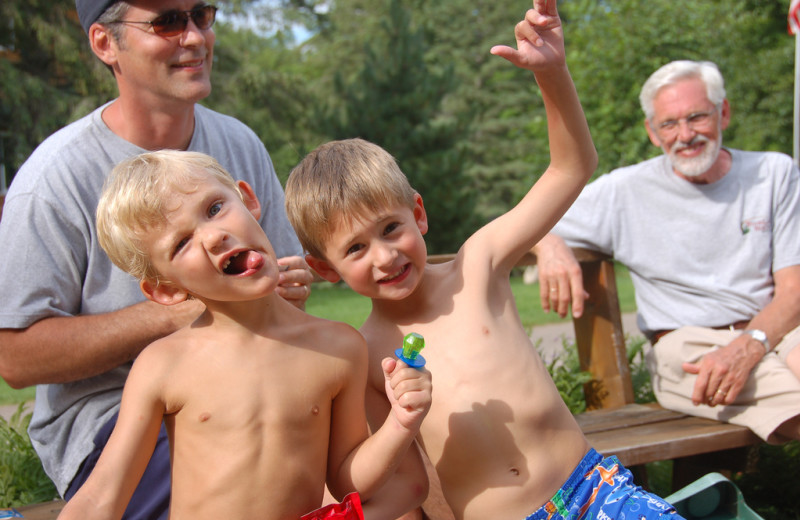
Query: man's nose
x=685 y=131
x=192 y=35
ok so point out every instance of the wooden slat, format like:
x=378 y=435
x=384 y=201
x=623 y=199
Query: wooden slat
x=601 y=341
x=596 y=421
x=42 y=511
x=582 y=255
x=670 y=439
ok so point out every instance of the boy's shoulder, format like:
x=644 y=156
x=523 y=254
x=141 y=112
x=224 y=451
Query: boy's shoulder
x=328 y=335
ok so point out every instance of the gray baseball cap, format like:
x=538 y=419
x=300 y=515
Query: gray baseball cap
x=90 y=10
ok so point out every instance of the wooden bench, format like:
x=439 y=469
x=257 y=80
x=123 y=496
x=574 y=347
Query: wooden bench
x=614 y=424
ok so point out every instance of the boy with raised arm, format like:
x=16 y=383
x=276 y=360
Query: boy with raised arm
x=263 y=403
x=501 y=438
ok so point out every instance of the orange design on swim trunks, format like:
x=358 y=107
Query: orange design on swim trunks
x=606 y=477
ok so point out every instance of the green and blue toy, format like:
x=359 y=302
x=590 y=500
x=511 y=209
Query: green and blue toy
x=409 y=352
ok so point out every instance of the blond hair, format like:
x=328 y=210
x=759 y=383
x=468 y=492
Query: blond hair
x=342 y=180
x=134 y=198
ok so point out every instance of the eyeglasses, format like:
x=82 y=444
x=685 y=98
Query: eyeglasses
x=694 y=121
x=173 y=23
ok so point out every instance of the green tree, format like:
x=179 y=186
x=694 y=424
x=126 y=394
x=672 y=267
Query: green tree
x=395 y=100
x=261 y=81
x=506 y=142
x=48 y=74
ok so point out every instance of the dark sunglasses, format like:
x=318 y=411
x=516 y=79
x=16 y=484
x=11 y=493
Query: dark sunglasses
x=173 y=23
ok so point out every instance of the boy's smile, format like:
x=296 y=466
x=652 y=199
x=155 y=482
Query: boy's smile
x=377 y=254
x=210 y=237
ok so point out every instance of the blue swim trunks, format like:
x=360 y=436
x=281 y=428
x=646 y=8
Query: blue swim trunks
x=602 y=489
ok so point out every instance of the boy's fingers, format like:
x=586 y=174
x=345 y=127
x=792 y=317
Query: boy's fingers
x=547 y=7
x=388 y=365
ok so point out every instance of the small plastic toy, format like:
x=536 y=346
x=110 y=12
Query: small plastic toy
x=409 y=352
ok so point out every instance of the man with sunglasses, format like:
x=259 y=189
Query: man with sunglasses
x=71 y=322
x=711 y=236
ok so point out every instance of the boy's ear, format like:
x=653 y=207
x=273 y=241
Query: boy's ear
x=249 y=198
x=420 y=216
x=323 y=268
x=163 y=293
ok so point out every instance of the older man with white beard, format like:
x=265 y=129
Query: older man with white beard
x=711 y=236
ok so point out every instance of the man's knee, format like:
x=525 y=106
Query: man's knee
x=789 y=430
x=793 y=361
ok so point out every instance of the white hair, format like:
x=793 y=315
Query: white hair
x=676 y=71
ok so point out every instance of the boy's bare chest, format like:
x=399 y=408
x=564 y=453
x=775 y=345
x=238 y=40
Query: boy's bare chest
x=276 y=391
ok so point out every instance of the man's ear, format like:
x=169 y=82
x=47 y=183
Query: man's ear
x=249 y=198
x=323 y=268
x=725 y=114
x=652 y=134
x=163 y=293
x=103 y=44
x=420 y=216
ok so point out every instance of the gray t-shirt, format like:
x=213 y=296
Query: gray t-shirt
x=54 y=266
x=699 y=254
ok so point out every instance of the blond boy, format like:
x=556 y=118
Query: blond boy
x=502 y=441
x=263 y=403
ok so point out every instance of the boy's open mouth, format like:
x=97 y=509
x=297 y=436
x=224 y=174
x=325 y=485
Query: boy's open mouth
x=242 y=262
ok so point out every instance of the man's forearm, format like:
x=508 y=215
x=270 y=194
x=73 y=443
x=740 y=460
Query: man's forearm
x=65 y=349
x=782 y=314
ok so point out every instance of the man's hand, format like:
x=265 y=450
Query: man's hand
x=295 y=282
x=560 y=277
x=722 y=373
x=540 y=39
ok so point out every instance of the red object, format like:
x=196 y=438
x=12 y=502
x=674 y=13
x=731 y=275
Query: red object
x=349 y=509
x=794 y=20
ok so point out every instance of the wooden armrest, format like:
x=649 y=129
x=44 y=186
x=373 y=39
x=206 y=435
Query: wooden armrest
x=601 y=340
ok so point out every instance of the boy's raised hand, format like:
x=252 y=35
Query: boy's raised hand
x=540 y=39
x=409 y=392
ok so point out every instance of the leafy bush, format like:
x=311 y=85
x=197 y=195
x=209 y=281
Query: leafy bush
x=640 y=377
x=22 y=478
x=569 y=378
x=770 y=483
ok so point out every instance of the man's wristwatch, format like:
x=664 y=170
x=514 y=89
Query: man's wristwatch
x=759 y=335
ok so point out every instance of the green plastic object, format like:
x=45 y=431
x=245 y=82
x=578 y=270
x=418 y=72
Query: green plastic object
x=409 y=352
x=712 y=497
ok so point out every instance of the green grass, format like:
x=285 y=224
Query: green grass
x=10 y=396
x=338 y=302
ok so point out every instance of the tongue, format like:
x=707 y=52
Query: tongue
x=254 y=260
x=244 y=261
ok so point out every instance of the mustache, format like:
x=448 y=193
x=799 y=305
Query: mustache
x=681 y=145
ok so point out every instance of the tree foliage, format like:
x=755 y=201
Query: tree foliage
x=47 y=74
x=395 y=100
x=417 y=77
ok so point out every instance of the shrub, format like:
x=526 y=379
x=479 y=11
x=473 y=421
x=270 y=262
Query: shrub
x=22 y=478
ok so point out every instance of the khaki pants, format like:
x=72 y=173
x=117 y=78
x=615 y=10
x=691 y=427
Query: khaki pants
x=770 y=397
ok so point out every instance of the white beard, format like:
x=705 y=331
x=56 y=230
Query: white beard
x=695 y=166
